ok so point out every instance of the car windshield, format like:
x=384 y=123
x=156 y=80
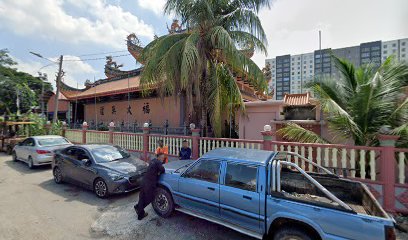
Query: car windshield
x=109 y=154
x=47 y=142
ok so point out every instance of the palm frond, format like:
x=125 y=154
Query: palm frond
x=294 y=132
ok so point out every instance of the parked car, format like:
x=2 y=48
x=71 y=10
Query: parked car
x=38 y=150
x=105 y=169
x=264 y=195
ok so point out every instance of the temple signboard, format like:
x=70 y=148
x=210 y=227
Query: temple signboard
x=140 y=110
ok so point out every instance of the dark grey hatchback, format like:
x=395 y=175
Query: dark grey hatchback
x=105 y=169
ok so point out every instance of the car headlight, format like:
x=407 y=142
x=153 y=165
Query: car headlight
x=115 y=177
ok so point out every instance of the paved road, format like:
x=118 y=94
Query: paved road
x=32 y=206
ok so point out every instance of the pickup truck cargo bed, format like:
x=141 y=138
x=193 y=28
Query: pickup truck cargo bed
x=353 y=193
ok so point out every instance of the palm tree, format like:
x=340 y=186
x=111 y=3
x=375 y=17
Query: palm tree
x=202 y=62
x=359 y=105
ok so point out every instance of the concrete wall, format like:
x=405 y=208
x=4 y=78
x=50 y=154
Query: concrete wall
x=142 y=110
x=261 y=113
x=258 y=114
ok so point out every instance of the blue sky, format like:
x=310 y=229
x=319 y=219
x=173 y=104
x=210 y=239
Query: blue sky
x=78 y=27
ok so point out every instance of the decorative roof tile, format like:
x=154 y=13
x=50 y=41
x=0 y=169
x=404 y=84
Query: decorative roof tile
x=299 y=99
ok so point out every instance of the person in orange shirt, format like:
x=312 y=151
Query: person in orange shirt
x=163 y=149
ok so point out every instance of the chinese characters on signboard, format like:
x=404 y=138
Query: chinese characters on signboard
x=146 y=108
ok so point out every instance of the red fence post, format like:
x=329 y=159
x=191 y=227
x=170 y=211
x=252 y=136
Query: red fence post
x=111 y=129
x=267 y=135
x=146 y=131
x=195 y=133
x=84 y=129
x=387 y=157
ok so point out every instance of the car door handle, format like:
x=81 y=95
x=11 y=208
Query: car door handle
x=247 y=197
x=211 y=188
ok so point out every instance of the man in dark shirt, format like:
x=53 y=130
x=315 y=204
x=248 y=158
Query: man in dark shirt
x=185 y=151
x=149 y=185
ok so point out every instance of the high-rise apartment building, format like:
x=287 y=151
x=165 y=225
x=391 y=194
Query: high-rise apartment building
x=290 y=73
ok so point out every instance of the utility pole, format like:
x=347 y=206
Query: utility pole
x=320 y=81
x=59 y=76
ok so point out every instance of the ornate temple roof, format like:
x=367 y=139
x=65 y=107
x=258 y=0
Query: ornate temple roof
x=298 y=99
x=119 y=81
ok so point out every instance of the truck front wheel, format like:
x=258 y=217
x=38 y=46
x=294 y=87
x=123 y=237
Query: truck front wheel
x=163 y=203
x=291 y=233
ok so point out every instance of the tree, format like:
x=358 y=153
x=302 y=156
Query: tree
x=359 y=105
x=5 y=59
x=13 y=82
x=202 y=62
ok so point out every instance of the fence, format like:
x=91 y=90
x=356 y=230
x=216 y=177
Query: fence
x=383 y=169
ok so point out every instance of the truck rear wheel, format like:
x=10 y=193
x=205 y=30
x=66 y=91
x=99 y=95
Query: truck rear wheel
x=291 y=233
x=163 y=203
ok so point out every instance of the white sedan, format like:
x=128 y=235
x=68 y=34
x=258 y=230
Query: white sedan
x=38 y=150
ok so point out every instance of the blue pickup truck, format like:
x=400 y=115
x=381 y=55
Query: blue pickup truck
x=264 y=195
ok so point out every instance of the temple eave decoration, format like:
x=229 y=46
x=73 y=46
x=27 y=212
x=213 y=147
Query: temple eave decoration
x=114 y=73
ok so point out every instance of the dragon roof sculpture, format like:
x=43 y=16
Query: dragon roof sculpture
x=114 y=73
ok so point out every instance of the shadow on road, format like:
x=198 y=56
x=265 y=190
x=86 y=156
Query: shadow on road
x=23 y=169
x=72 y=193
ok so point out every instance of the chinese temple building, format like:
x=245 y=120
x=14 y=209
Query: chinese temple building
x=121 y=98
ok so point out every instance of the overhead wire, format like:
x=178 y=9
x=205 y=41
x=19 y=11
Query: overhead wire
x=102 y=53
x=94 y=59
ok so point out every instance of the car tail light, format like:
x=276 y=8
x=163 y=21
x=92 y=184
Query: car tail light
x=390 y=233
x=42 y=151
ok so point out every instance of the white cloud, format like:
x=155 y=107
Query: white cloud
x=292 y=26
x=75 y=71
x=103 y=24
x=157 y=6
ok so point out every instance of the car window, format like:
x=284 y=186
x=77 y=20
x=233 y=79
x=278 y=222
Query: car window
x=29 y=142
x=68 y=151
x=109 y=154
x=81 y=154
x=76 y=153
x=206 y=170
x=241 y=176
x=47 y=142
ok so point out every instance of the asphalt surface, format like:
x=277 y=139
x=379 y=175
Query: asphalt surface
x=32 y=206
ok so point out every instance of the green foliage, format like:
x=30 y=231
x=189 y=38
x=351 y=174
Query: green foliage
x=294 y=132
x=361 y=102
x=13 y=82
x=202 y=62
x=39 y=128
x=5 y=59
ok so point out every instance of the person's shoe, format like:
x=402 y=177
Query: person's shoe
x=141 y=217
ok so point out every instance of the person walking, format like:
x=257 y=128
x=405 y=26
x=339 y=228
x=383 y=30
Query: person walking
x=185 y=151
x=149 y=185
x=163 y=149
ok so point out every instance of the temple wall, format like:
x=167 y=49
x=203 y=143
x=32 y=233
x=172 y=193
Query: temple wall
x=63 y=105
x=142 y=110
